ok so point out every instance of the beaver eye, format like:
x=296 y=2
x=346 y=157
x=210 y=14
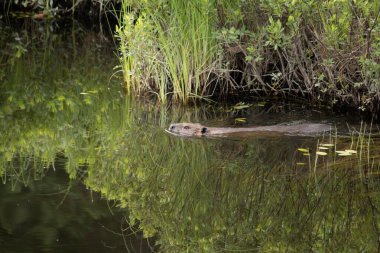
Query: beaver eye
x=186 y=127
x=172 y=127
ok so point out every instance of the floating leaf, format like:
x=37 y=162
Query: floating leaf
x=343 y=153
x=323 y=148
x=240 y=106
x=351 y=151
x=300 y=163
x=321 y=153
x=303 y=150
x=326 y=145
x=241 y=120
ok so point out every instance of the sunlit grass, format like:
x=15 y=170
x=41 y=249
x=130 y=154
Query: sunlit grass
x=170 y=49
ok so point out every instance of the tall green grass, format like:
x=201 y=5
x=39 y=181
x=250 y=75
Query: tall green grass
x=168 y=48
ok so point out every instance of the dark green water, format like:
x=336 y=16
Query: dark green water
x=86 y=169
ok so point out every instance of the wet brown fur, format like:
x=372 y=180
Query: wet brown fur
x=196 y=129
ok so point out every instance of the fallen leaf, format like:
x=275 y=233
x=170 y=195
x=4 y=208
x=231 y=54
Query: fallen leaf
x=326 y=145
x=241 y=120
x=303 y=150
x=343 y=153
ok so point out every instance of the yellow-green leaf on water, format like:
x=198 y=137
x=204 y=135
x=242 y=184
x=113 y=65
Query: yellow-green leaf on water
x=303 y=150
x=306 y=154
x=321 y=153
x=240 y=106
x=351 y=151
x=323 y=148
x=326 y=145
x=343 y=153
x=242 y=120
x=300 y=163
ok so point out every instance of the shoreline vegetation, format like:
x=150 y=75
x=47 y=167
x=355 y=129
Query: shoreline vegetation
x=323 y=52
x=61 y=114
x=327 y=52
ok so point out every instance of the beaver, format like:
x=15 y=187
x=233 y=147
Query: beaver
x=196 y=129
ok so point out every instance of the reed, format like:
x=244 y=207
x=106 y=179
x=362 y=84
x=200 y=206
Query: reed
x=169 y=48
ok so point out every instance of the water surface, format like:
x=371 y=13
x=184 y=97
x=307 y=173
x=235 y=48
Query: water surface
x=87 y=169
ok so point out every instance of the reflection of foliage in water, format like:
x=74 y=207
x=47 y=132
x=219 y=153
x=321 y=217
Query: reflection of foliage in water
x=49 y=107
x=197 y=195
x=49 y=92
x=200 y=200
x=45 y=216
x=204 y=194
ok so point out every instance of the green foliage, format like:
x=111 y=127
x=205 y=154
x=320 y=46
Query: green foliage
x=275 y=34
x=171 y=52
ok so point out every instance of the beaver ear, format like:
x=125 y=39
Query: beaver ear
x=204 y=130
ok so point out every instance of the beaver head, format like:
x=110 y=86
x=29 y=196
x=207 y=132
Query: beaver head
x=188 y=129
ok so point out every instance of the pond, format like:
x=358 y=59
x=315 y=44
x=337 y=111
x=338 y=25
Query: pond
x=87 y=169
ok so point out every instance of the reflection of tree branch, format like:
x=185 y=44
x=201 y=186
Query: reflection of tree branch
x=67 y=191
x=373 y=211
x=73 y=7
x=315 y=206
x=350 y=191
x=122 y=232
